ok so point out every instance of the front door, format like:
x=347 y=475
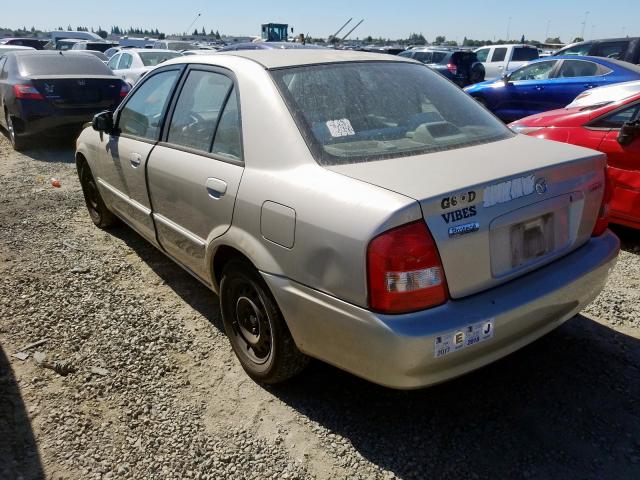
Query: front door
x=138 y=125
x=525 y=94
x=194 y=173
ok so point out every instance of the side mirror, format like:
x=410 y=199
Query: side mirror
x=103 y=122
x=506 y=78
x=628 y=132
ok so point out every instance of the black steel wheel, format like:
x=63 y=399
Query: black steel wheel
x=99 y=213
x=255 y=326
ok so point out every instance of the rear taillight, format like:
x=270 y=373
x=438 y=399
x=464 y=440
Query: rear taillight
x=602 y=223
x=404 y=270
x=124 y=90
x=27 y=92
x=452 y=67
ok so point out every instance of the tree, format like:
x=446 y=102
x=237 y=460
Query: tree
x=161 y=36
x=578 y=39
x=440 y=39
x=553 y=40
x=102 y=33
x=195 y=32
x=204 y=34
x=417 y=39
x=217 y=35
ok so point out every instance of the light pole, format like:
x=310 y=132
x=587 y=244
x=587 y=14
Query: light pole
x=593 y=32
x=508 y=29
x=546 y=35
x=584 y=24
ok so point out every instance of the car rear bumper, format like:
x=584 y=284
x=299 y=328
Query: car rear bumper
x=398 y=350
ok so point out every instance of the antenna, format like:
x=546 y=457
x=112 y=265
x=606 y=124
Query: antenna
x=350 y=31
x=340 y=29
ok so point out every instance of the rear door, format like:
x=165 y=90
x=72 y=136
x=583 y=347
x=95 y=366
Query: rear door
x=571 y=79
x=194 y=173
x=138 y=125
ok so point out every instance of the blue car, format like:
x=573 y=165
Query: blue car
x=548 y=84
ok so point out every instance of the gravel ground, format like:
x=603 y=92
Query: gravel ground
x=157 y=392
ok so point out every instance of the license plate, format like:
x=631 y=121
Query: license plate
x=532 y=239
x=462 y=338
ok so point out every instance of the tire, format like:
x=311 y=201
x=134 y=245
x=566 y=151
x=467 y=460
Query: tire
x=98 y=211
x=17 y=142
x=255 y=326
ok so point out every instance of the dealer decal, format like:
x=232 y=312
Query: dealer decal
x=463 y=198
x=457 y=215
x=513 y=189
x=460 y=230
x=462 y=338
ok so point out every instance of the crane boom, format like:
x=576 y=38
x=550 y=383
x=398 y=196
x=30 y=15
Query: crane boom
x=350 y=31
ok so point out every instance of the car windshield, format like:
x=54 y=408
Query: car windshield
x=151 y=59
x=364 y=111
x=60 y=64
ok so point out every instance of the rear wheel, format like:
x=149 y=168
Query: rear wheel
x=255 y=326
x=98 y=211
x=17 y=142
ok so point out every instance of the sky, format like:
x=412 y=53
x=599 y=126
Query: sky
x=475 y=19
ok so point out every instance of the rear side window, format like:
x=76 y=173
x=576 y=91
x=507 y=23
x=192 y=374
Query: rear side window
x=151 y=59
x=142 y=115
x=615 y=50
x=228 y=141
x=198 y=108
x=113 y=62
x=482 y=54
x=498 y=54
x=521 y=54
x=580 y=68
x=60 y=64
x=358 y=112
x=125 y=61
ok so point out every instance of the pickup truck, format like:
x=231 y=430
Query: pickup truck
x=498 y=59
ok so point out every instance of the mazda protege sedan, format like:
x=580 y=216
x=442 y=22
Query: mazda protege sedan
x=356 y=209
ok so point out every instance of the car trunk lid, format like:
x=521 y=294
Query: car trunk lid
x=74 y=91
x=498 y=210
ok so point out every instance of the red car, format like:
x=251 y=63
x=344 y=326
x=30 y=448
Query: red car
x=605 y=119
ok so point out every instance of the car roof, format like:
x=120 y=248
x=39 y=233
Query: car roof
x=157 y=50
x=601 y=60
x=15 y=48
x=599 y=40
x=281 y=58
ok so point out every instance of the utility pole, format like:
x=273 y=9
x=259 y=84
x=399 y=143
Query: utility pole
x=192 y=24
x=508 y=29
x=546 y=35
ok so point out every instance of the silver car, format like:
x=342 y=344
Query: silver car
x=351 y=207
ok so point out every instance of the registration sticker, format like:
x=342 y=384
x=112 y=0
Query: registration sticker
x=340 y=128
x=462 y=338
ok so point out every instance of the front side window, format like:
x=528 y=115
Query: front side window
x=619 y=118
x=535 y=71
x=363 y=111
x=142 y=115
x=113 y=62
x=197 y=110
x=499 y=54
x=582 y=49
x=482 y=54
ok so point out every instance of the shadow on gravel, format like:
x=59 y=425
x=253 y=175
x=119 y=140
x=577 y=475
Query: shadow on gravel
x=629 y=238
x=19 y=456
x=52 y=150
x=199 y=297
x=567 y=406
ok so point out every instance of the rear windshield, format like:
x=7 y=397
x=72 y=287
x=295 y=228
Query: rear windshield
x=430 y=57
x=364 y=111
x=60 y=64
x=98 y=46
x=524 y=54
x=151 y=59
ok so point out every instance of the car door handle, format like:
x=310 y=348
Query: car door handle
x=538 y=87
x=135 y=159
x=589 y=85
x=216 y=188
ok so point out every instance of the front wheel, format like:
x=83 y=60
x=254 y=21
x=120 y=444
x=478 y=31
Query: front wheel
x=255 y=326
